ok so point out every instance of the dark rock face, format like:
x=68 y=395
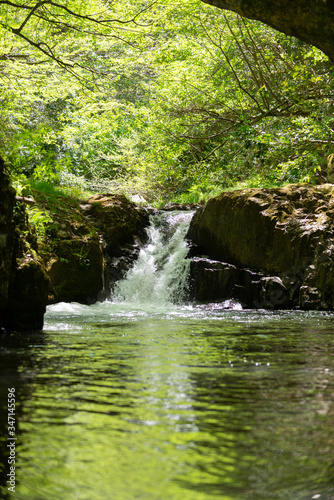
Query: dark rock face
x=7 y=198
x=28 y=296
x=286 y=234
x=118 y=219
x=23 y=281
x=73 y=257
x=28 y=285
x=76 y=271
x=212 y=281
x=121 y=225
x=88 y=247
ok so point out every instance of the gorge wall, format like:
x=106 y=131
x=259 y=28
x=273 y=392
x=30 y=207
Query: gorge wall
x=268 y=247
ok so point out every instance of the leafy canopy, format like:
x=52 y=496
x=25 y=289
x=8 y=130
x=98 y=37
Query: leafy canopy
x=164 y=99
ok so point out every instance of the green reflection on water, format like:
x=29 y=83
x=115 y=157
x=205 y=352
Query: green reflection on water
x=178 y=405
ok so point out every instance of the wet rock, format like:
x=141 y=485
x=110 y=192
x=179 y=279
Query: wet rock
x=89 y=245
x=212 y=280
x=248 y=290
x=121 y=225
x=310 y=298
x=28 y=283
x=274 y=294
x=23 y=282
x=27 y=296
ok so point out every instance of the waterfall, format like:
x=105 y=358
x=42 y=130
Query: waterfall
x=160 y=274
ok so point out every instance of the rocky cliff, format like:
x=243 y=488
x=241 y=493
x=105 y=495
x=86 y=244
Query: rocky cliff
x=285 y=237
x=73 y=251
x=23 y=280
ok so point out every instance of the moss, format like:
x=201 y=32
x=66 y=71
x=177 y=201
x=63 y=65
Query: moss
x=7 y=195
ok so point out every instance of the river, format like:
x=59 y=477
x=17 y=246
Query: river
x=162 y=400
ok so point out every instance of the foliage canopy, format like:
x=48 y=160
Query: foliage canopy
x=168 y=100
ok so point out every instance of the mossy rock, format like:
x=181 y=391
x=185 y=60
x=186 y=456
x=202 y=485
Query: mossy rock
x=76 y=271
x=270 y=230
x=118 y=219
x=288 y=232
x=7 y=198
x=81 y=238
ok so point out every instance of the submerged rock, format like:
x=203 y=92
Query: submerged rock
x=287 y=234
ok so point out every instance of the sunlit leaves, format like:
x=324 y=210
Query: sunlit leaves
x=159 y=93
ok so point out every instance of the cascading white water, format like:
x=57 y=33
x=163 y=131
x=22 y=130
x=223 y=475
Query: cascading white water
x=160 y=274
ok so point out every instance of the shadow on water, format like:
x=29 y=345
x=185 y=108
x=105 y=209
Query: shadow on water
x=18 y=370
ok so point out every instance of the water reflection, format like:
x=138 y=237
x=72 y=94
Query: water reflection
x=16 y=357
x=175 y=404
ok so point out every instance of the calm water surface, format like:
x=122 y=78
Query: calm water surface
x=178 y=403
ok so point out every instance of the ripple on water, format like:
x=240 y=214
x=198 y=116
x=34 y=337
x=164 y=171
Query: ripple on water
x=175 y=402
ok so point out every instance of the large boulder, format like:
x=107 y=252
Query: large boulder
x=69 y=247
x=28 y=295
x=286 y=233
x=215 y=281
x=119 y=220
x=121 y=225
x=89 y=245
x=75 y=270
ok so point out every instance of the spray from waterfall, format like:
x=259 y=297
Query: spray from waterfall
x=160 y=275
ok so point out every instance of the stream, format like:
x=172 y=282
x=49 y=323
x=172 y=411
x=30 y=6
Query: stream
x=147 y=397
